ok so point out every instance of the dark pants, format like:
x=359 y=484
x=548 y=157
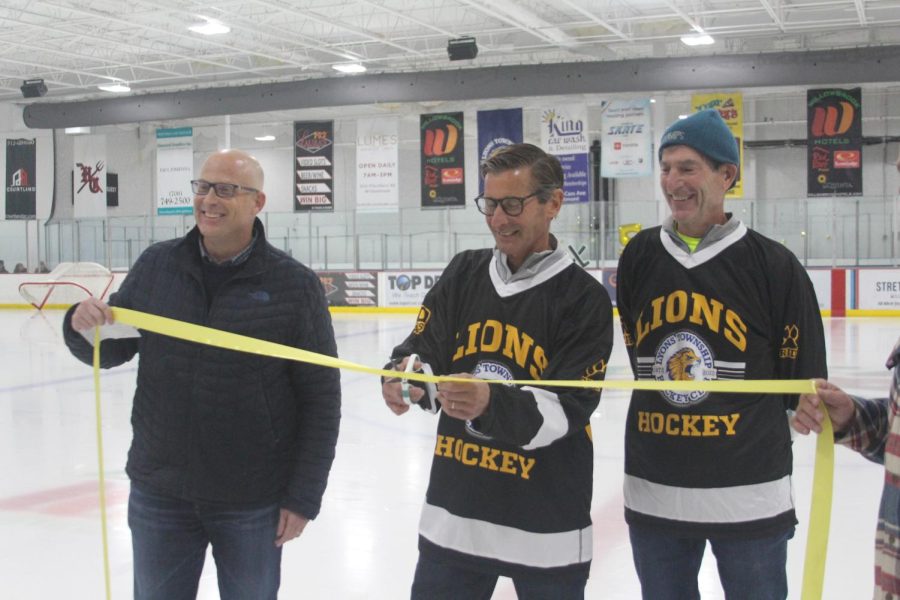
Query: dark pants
x=169 y=540
x=438 y=581
x=749 y=569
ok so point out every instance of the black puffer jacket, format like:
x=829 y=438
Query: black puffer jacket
x=221 y=426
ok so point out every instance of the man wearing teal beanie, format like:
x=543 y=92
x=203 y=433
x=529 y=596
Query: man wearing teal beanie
x=703 y=297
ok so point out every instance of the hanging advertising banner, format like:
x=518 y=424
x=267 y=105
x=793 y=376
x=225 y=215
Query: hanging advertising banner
x=565 y=135
x=112 y=189
x=377 y=174
x=627 y=140
x=89 y=176
x=443 y=160
x=174 y=171
x=21 y=188
x=834 y=142
x=496 y=129
x=731 y=108
x=313 y=166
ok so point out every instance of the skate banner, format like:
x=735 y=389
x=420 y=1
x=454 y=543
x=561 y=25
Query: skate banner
x=89 y=177
x=564 y=134
x=21 y=188
x=496 y=129
x=313 y=166
x=834 y=142
x=377 y=173
x=731 y=108
x=627 y=140
x=174 y=171
x=443 y=160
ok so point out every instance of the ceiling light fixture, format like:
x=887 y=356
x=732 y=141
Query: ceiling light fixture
x=117 y=87
x=697 y=39
x=210 y=27
x=349 y=68
x=265 y=138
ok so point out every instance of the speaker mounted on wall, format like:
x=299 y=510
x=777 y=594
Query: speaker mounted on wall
x=33 y=88
x=463 y=48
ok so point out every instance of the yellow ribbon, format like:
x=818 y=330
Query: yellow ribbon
x=101 y=470
x=820 y=512
x=243 y=343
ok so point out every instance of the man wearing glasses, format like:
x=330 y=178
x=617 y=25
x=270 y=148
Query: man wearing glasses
x=511 y=475
x=229 y=449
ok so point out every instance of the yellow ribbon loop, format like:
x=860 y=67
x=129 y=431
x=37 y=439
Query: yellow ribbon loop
x=820 y=511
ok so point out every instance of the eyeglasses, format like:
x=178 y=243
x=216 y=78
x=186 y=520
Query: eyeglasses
x=511 y=205
x=223 y=190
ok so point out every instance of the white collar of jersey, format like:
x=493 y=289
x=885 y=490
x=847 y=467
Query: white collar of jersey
x=690 y=260
x=553 y=264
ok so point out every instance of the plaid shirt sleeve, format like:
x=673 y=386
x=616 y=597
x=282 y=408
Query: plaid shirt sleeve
x=875 y=421
x=868 y=432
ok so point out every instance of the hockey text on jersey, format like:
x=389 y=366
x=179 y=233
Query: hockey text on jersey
x=483 y=457
x=687 y=425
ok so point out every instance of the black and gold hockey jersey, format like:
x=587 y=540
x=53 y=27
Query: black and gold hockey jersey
x=510 y=492
x=709 y=464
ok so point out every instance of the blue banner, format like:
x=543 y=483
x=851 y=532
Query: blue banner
x=577 y=183
x=496 y=129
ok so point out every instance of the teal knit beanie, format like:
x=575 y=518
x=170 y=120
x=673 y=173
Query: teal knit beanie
x=705 y=132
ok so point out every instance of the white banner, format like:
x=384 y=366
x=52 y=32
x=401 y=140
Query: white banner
x=174 y=171
x=405 y=288
x=89 y=176
x=377 y=177
x=626 y=141
x=879 y=289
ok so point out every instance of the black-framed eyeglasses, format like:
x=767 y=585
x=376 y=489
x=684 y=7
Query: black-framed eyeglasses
x=511 y=205
x=223 y=190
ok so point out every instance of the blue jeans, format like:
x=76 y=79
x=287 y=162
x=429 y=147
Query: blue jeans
x=749 y=569
x=169 y=539
x=439 y=581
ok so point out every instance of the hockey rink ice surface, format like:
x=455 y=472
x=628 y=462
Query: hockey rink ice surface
x=363 y=545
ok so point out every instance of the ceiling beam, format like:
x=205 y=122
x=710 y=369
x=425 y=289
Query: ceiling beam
x=828 y=67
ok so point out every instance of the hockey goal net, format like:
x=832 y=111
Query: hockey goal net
x=67 y=284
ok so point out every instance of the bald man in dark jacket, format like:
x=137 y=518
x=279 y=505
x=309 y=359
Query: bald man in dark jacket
x=229 y=449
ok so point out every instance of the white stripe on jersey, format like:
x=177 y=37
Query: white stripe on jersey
x=499 y=542
x=505 y=290
x=735 y=504
x=555 y=423
x=695 y=259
